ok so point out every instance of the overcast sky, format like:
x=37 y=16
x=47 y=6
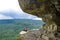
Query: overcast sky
x=9 y=9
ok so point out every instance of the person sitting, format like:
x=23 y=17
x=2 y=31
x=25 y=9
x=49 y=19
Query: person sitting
x=25 y=29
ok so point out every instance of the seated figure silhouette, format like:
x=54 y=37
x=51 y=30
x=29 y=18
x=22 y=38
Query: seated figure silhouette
x=25 y=29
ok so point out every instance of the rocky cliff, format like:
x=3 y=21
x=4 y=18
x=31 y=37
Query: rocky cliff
x=41 y=34
x=45 y=9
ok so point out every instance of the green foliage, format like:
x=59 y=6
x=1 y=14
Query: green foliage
x=10 y=31
x=18 y=38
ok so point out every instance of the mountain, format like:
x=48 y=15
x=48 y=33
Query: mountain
x=10 y=28
x=6 y=21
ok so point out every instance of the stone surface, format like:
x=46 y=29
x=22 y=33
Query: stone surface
x=38 y=35
x=45 y=9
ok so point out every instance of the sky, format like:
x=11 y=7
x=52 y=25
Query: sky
x=10 y=9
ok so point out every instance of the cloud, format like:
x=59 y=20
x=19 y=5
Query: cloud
x=10 y=9
x=11 y=14
x=5 y=17
x=37 y=18
x=9 y=4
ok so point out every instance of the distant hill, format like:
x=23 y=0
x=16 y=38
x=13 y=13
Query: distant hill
x=9 y=29
x=6 y=21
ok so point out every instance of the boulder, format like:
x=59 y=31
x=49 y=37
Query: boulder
x=38 y=35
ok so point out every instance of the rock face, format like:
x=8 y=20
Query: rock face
x=38 y=35
x=42 y=8
x=46 y=10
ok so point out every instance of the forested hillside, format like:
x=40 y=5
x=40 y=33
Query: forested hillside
x=9 y=29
